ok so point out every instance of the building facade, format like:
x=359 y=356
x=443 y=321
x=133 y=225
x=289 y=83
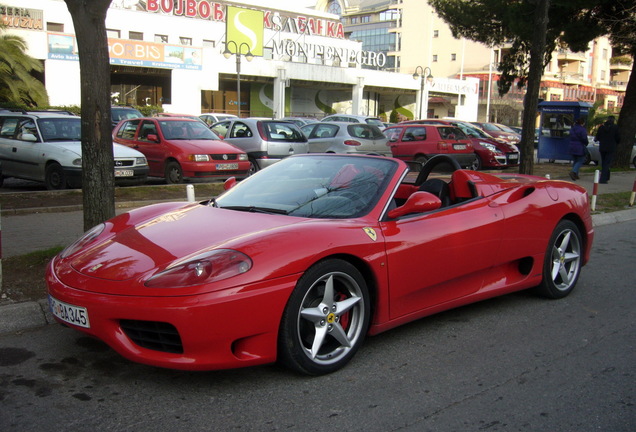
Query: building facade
x=422 y=39
x=249 y=57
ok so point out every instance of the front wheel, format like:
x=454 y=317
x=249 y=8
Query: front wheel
x=54 y=178
x=326 y=318
x=562 y=262
x=173 y=173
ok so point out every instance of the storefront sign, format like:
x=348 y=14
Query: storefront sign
x=131 y=53
x=445 y=85
x=21 y=18
x=272 y=20
x=244 y=30
x=291 y=48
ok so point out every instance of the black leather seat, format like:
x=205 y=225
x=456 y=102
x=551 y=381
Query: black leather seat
x=439 y=188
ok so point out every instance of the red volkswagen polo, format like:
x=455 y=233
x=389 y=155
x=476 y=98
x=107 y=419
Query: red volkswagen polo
x=178 y=148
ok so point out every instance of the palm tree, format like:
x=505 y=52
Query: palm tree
x=17 y=85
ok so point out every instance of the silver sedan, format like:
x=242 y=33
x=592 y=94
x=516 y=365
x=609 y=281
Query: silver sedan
x=594 y=155
x=343 y=137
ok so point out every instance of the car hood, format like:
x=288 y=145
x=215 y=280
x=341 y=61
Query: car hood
x=119 y=151
x=138 y=250
x=205 y=146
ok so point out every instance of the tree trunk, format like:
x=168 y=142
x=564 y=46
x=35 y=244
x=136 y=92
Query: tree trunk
x=627 y=123
x=98 y=179
x=531 y=101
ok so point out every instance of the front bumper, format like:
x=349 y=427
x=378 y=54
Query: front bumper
x=231 y=328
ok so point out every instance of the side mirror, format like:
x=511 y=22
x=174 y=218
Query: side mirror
x=153 y=137
x=28 y=137
x=418 y=202
x=229 y=183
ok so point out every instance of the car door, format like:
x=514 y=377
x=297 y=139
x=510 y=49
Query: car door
x=321 y=137
x=21 y=149
x=132 y=134
x=440 y=256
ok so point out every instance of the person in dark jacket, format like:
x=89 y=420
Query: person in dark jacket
x=578 y=143
x=607 y=136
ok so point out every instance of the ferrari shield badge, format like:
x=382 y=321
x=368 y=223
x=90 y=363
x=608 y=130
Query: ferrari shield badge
x=371 y=233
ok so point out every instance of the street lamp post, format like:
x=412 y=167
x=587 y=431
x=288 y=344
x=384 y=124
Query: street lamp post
x=238 y=52
x=424 y=74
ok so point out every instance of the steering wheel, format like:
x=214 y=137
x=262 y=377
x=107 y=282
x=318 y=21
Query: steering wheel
x=432 y=163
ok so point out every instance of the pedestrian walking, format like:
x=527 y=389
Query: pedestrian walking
x=578 y=143
x=608 y=137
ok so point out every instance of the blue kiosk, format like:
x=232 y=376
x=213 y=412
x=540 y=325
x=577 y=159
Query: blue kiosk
x=557 y=118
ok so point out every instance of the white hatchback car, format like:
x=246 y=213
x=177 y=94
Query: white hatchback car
x=47 y=148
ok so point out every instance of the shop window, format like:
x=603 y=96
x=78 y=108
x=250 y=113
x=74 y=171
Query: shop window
x=208 y=43
x=135 y=35
x=434 y=58
x=185 y=41
x=161 y=38
x=113 y=34
x=435 y=33
x=453 y=57
x=55 y=27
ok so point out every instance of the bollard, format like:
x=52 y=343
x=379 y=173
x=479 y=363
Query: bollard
x=597 y=174
x=0 y=248
x=547 y=176
x=631 y=198
x=190 y=192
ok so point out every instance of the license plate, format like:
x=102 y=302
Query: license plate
x=75 y=315
x=124 y=173
x=230 y=166
x=513 y=156
x=459 y=147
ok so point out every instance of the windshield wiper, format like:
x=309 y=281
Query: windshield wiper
x=254 y=209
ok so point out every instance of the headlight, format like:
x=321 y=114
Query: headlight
x=211 y=266
x=490 y=147
x=87 y=238
x=140 y=161
x=514 y=147
x=242 y=156
x=200 y=158
x=77 y=162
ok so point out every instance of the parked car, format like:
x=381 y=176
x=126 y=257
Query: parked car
x=177 y=115
x=341 y=137
x=420 y=142
x=497 y=131
x=48 y=148
x=265 y=141
x=491 y=153
x=179 y=148
x=119 y=113
x=211 y=118
x=300 y=121
x=593 y=154
x=350 y=118
x=301 y=261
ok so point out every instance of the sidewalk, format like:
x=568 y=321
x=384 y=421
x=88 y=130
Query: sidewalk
x=36 y=231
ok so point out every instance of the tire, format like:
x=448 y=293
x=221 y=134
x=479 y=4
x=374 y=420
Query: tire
x=588 y=158
x=173 y=173
x=562 y=262
x=477 y=165
x=253 y=167
x=421 y=159
x=325 y=320
x=54 y=178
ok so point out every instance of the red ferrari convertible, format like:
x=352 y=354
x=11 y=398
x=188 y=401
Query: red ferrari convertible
x=301 y=261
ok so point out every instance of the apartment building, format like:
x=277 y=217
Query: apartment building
x=422 y=39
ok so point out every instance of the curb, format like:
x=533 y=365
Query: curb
x=32 y=314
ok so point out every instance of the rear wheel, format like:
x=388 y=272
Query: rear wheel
x=562 y=262
x=54 y=178
x=326 y=318
x=253 y=166
x=173 y=173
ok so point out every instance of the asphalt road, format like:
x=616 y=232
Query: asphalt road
x=516 y=363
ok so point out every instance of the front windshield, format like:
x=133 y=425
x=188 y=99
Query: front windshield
x=316 y=186
x=186 y=130
x=61 y=129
